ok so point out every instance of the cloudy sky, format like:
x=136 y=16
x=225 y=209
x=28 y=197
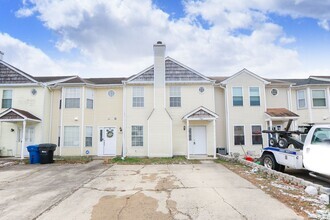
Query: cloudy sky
x=105 y=38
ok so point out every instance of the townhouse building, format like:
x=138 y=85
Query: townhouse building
x=165 y=110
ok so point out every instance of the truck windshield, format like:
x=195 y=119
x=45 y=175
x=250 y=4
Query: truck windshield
x=321 y=135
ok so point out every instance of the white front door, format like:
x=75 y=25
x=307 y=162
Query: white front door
x=197 y=140
x=107 y=141
x=29 y=139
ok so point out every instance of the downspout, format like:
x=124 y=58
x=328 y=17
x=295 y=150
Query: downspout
x=62 y=129
x=124 y=150
x=50 y=114
x=227 y=119
x=82 y=121
x=308 y=97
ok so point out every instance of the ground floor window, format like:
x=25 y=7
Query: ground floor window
x=256 y=134
x=89 y=136
x=71 y=136
x=137 y=136
x=239 y=135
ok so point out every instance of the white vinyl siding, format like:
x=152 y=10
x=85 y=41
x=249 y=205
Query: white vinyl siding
x=6 y=99
x=71 y=136
x=237 y=96
x=72 y=97
x=301 y=99
x=319 y=98
x=138 y=96
x=175 y=96
x=89 y=136
x=137 y=136
x=239 y=138
x=254 y=96
x=89 y=98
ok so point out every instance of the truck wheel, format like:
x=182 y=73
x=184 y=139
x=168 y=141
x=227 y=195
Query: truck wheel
x=281 y=168
x=272 y=142
x=268 y=161
x=282 y=143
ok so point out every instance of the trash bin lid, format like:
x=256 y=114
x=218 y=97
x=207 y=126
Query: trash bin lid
x=32 y=148
x=47 y=146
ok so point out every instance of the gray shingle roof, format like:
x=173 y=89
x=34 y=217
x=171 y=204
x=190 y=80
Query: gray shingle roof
x=50 y=78
x=309 y=81
x=174 y=72
x=11 y=75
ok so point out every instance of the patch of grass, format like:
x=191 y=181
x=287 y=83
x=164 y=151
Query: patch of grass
x=156 y=160
x=72 y=159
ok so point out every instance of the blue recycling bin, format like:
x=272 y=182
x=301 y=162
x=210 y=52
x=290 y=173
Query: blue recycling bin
x=34 y=154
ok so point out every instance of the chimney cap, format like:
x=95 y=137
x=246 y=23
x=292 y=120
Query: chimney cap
x=159 y=42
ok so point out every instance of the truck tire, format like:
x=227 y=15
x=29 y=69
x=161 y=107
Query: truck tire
x=272 y=142
x=268 y=161
x=282 y=143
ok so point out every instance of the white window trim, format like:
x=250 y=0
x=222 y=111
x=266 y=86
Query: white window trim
x=71 y=146
x=305 y=95
x=234 y=134
x=252 y=134
x=12 y=92
x=250 y=96
x=325 y=97
x=175 y=97
x=142 y=136
x=138 y=97
x=65 y=97
x=232 y=96
x=88 y=136
x=91 y=98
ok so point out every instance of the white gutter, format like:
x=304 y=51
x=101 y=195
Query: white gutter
x=227 y=119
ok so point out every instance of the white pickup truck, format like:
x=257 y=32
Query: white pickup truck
x=314 y=155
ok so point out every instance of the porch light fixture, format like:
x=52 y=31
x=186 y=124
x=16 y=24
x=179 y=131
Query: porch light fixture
x=120 y=129
x=12 y=129
x=184 y=127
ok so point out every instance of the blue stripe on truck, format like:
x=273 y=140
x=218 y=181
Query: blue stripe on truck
x=280 y=150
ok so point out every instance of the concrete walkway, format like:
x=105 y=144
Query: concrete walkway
x=97 y=191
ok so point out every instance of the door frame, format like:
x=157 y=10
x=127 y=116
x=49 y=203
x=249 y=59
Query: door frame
x=205 y=139
x=100 y=151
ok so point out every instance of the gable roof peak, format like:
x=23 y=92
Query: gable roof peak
x=242 y=71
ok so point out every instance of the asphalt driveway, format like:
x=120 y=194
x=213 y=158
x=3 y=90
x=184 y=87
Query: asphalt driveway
x=97 y=191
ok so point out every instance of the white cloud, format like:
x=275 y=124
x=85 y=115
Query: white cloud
x=324 y=24
x=115 y=37
x=27 y=58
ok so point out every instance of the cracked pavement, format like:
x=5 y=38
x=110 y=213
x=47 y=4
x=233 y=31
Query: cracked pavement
x=96 y=191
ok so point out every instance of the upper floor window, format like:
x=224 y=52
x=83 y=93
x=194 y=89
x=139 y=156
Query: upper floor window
x=175 y=96
x=239 y=135
x=318 y=97
x=138 y=96
x=256 y=134
x=89 y=98
x=254 y=96
x=72 y=97
x=301 y=99
x=237 y=96
x=6 y=99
